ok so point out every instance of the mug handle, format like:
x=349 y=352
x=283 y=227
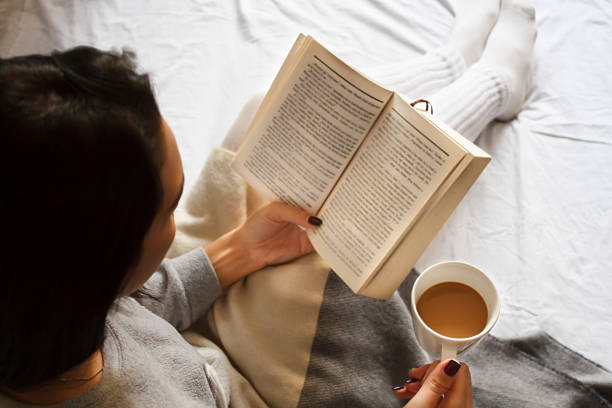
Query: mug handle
x=449 y=350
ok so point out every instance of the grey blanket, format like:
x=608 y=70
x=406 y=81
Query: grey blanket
x=362 y=345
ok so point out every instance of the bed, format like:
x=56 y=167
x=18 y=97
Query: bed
x=538 y=221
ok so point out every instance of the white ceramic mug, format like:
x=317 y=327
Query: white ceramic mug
x=435 y=343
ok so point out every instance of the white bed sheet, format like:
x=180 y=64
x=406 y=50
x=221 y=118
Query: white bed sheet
x=538 y=221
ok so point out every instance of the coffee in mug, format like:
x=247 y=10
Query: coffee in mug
x=458 y=306
x=453 y=310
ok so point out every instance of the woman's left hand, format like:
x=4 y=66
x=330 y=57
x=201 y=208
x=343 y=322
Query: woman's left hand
x=272 y=235
x=269 y=236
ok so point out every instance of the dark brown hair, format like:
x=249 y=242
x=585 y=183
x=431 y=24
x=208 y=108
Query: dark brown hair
x=80 y=132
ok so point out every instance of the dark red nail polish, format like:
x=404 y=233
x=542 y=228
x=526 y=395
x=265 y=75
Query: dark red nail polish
x=412 y=380
x=316 y=221
x=451 y=368
x=399 y=387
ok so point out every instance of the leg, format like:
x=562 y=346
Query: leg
x=421 y=76
x=495 y=86
x=418 y=77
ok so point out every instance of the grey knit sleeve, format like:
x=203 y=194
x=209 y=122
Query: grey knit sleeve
x=182 y=289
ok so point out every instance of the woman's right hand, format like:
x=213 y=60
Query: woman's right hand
x=438 y=385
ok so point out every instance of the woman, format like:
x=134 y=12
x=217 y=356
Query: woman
x=91 y=177
x=90 y=312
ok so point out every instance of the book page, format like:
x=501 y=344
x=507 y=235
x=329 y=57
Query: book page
x=384 y=189
x=311 y=129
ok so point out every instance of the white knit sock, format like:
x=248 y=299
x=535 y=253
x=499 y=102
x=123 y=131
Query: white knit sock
x=509 y=50
x=474 y=20
x=422 y=75
x=494 y=87
x=474 y=100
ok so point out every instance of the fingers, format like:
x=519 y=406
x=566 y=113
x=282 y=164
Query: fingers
x=419 y=372
x=460 y=394
x=416 y=386
x=403 y=392
x=438 y=382
x=281 y=212
x=413 y=384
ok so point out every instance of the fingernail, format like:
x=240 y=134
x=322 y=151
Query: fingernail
x=316 y=221
x=399 y=387
x=451 y=368
x=412 y=380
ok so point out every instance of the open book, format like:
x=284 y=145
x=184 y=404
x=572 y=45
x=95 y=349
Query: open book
x=382 y=175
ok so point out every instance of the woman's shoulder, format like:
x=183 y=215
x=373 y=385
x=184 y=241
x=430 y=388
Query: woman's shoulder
x=145 y=357
x=127 y=317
